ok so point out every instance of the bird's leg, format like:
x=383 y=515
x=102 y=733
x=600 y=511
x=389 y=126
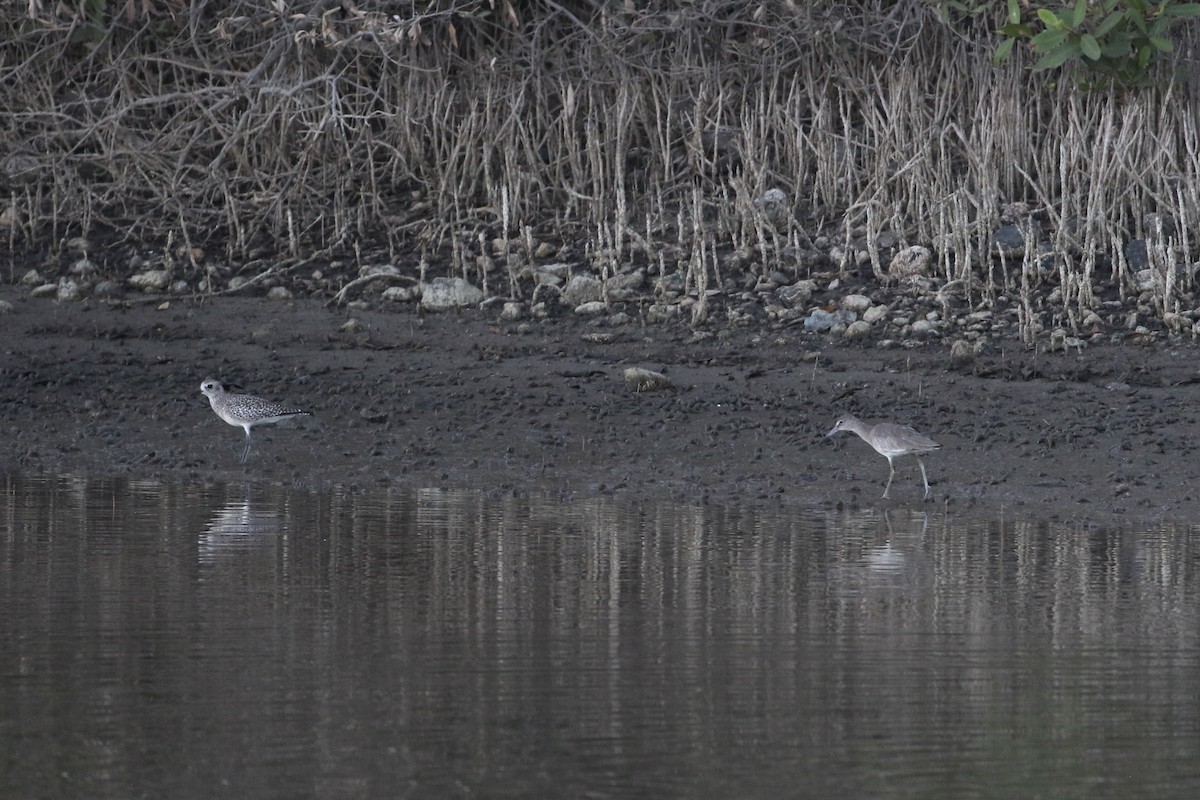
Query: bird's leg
x=891 y=474
x=924 y=477
x=246 y=452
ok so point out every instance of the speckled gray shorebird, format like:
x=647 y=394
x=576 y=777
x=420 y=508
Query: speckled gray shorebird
x=890 y=441
x=246 y=411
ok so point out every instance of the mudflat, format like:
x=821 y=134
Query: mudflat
x=403 y=398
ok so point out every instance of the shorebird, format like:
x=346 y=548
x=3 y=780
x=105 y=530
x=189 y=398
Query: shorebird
x=246 y=411
x=890 y=441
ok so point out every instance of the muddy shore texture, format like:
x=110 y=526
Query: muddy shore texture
x=406 y=399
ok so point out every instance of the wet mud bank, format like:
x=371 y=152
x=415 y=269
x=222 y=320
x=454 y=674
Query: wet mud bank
x=402 y=398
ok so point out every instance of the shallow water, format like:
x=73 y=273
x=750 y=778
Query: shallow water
x=165 y=640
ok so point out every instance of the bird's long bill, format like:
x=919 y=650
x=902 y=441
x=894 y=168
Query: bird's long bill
x=832 y=432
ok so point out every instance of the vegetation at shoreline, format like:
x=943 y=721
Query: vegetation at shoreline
x=483 y=139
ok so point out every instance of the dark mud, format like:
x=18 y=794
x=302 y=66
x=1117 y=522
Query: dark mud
x=411 y=399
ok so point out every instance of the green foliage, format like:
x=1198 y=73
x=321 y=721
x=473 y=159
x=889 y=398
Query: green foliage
x=1117 y=39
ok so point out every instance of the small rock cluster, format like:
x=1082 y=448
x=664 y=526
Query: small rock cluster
x=887 y=293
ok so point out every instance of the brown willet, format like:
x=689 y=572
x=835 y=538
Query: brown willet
x=890 y=441
x=246 y=411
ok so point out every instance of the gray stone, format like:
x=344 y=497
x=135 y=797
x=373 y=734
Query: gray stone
x=822 y=320
x=68 y=291
x=857 y=329
x=279 y=293
x=6 y=307
x=1135 y=254
x=83 y=267
x=399 y=294
x=1009 y=241
x=875 y=314
x=443 y=294
x=45 y=290
x=798 y=294
x=512 y=311
x=152 y=280
x=909 y=262
x=858 y=303
x=644 y=380
x=582 y=289
x=592 y=309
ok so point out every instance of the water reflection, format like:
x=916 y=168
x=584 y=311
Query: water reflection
x=167 y=639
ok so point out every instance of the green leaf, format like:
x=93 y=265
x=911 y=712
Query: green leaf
x=1162 y=45
x=1182 y=11
x=1014 y=12
x=1049 y=19
x=1003 y=51
x=1057 y=57
x=1143 y=57
x=1116 y=47
x=1047 y=41
x=1090 y=47
x=1074 y=17
x=1108 y=24
x=1015 y=30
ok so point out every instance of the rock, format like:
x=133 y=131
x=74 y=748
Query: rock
x=383 y=270
x=1154 y=219
x=910 y=261
x=512 y=311
x=1146 y=280
x=598 y=337
x=857 y=329
x=582 y=289
x=279 y=293
x=31 y=278
x=923 y=327
x=83 y=267
x=5 y=307
x=592 y=309
x=544 y=250
x=45 y=290
x=1135 y=254
x=822 y=320
x=775 y=207
x=875 y=314
x=798 y=294
x=669 y=284
x=1015 y=211
x=858 y=303
x=963 y=352
x=68 y=291
x=152 y=280
x=644 y=380
x=1008 y=241
x=443 y=294
x=624 y=287
x=106 y=289
x=400 y=294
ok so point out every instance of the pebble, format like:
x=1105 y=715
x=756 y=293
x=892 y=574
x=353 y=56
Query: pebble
x=6 y=307
x=279 y=293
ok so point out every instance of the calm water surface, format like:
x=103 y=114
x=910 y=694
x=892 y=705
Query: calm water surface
x=162 y=640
